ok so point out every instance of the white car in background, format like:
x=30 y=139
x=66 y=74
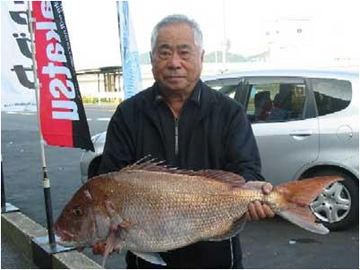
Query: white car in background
x=306 y=123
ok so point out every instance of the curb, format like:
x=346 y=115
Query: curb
x=22 y=231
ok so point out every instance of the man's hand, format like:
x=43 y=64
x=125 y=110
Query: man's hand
x=99 y=248
x=258 y=210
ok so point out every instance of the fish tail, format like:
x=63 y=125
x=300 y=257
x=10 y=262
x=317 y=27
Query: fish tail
x=296 y=198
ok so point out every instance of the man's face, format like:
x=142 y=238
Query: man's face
x=176 y=59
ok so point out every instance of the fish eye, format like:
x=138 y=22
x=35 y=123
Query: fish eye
x=77 y=211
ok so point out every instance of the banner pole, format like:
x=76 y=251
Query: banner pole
x=46 y=180
x=5 y=207
x=3 y=199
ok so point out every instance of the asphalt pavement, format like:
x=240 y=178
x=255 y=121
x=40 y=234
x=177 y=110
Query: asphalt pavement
x=266 y=244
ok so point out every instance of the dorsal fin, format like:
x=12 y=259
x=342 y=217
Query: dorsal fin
x=157 y=166
x=144 y=164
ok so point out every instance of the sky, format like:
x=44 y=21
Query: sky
x=92 y=25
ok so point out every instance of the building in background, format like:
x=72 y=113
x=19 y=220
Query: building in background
x=304 y=41
x=289 y=42
x=290 y=39
x=101 y=84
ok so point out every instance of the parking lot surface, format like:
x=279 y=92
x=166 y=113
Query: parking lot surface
x=266 y=244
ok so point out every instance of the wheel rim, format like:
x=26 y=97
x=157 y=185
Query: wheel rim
x=333 y=204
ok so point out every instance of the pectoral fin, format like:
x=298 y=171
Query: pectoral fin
x=114 y=241
x=153 y=258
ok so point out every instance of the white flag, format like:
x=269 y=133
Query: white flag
x=17 y=78
x=129 y=54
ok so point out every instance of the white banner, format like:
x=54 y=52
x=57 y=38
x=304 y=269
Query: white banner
x=17 y=78
x=129 y=55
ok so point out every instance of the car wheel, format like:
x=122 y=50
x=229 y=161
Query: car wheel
x=337 y=207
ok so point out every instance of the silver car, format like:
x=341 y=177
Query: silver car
x=306 y=123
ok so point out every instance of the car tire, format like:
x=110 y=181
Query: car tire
x=338 y=206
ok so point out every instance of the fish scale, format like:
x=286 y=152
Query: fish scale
x=151 y=208
x=194 y=202
x=190 y=212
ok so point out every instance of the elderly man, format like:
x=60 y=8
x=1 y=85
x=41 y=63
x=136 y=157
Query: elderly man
x=190 y=126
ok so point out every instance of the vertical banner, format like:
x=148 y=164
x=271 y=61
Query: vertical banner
x=129 y=54
x=17 y=79
x=62 y=115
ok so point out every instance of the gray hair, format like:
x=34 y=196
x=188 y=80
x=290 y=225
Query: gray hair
x=178 y=19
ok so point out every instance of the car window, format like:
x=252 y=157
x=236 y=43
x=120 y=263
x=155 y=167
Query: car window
x=226 y=89
x=276 y=101
x=331 y=95
x=226 y=86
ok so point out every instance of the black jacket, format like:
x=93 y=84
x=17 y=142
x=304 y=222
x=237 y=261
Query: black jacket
x=212 y=132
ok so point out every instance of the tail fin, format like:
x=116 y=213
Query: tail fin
x=298 y=195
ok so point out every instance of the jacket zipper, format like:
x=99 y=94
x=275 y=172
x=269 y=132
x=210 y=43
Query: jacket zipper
x=231 y=254
x=177 y=136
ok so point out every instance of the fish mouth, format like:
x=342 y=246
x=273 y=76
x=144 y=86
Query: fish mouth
x=68 y=240
x=68 y=243
x=64 y=235
x=65 y=238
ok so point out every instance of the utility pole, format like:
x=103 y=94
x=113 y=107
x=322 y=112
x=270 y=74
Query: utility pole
x=224 y=40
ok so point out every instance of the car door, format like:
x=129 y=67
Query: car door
x=283 y=117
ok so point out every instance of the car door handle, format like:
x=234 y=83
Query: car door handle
x=301 y=133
